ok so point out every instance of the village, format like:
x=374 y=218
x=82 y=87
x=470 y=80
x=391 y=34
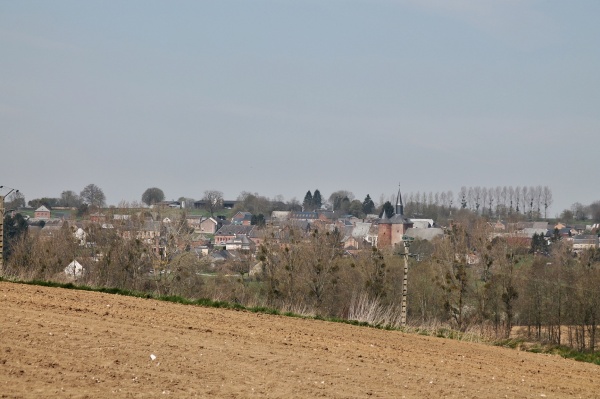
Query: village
x=168 y=228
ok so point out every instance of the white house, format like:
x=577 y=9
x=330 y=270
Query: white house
x=74 y=270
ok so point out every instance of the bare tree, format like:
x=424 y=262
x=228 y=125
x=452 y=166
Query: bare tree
x=594 y=210
x=450 y=197
x=321 y=266
x=454 y=277
x=490 y=200
x=253 y=203
x=578 y=211
x=213 y=200
x=518 y=195
x=70 y=199
x=531 y=201
x=504 y=277
x=337 y=198
x=500 y=199
x=524 y=199
x=477 y=197
x=463 y=197
x=538 y=200
x=485 y=194
x=471 y=198
x=93 y=196
x=547 y=200
x=444 y=199
x=15 y=200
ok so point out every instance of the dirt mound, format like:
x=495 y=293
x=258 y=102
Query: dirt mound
x=66 y=343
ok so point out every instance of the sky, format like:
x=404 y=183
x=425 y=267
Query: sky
x=279 y=97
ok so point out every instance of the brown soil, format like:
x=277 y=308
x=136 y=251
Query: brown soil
x=66 y=343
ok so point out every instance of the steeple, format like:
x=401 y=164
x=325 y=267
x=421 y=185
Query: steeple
x=399 y=204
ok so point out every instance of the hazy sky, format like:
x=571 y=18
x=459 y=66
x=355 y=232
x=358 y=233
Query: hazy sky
x=281 y=97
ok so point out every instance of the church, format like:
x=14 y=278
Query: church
x=392 y=229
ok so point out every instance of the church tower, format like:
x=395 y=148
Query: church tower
x=392 y=229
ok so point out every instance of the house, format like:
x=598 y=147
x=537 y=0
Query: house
x=565 y=232
x=280 y=215
x=149 y=231
x=193 y=221
x=306 y=216
x=498 y=225
x=198 y=240
x=169 y=204
x=584 y=242
x=74 y=270
x=51 y=228
x=325 y=215
x=355 y=237
x=80 y=235
x=239 y=242
x=227 y=204
x=200 y=251
x=242 y=218
x=257 y=236
x=425 y=234
x=42 y=213
x=210 y=225
x=422 y=223
x=518 y=240
x=230 y=231
x=351 y=244
x=98 y=217
x=371 y=236
x=560 y=226
x=219 y=256
x=530 y=231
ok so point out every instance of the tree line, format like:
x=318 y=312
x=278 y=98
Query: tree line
x=501 y=202
x=494 y=202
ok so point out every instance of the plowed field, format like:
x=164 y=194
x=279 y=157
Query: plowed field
x=75 y=344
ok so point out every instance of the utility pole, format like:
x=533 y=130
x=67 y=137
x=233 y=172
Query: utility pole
x=406 y=240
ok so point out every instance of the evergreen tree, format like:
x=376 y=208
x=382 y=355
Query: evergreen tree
x=258 y=220
x=538 y=244
x=368 y=205
x=307 y=204
x=316 y=199
x=388 y=208
x=355 y=208
x=14 y=228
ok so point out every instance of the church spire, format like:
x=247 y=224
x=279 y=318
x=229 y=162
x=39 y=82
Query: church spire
x=399 y=204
